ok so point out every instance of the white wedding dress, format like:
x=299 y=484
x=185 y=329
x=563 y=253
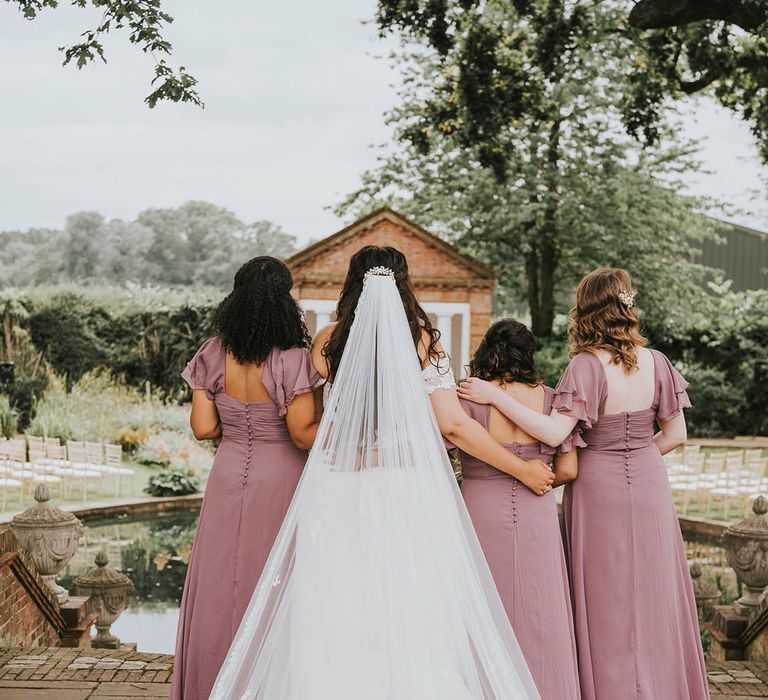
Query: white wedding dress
x=376 y=587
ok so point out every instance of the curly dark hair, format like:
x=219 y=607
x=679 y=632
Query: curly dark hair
x=260 y=314
x=506 y=354
x=362 y=261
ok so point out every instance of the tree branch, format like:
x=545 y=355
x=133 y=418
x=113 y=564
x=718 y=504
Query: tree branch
x=662 y=14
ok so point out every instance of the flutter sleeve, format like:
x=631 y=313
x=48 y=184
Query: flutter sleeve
x=206 y=369
x=580 y=393
x=291 y=373
x=573 y=439
x=673 y=397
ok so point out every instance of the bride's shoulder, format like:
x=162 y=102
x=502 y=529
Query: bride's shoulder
x=322 y=335
x=318 y=343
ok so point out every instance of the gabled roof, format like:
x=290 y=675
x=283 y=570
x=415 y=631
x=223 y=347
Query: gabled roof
x=480 y=270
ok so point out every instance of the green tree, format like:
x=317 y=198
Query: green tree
x=145 y=21
x=86 y=236
x=506 y=53
x=197 y=243
x=577 y=192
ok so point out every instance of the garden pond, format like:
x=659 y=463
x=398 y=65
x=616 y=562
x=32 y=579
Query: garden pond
x=153 y=551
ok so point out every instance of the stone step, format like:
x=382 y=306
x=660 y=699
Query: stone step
x=728 y=622
x=80 y=636
x=75 y=610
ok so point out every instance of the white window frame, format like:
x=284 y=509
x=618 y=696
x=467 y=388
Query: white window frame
x=445 y=311
x=323 y=309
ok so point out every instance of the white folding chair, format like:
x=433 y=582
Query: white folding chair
x=114 y=460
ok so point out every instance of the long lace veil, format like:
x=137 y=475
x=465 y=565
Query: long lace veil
x=376 y=587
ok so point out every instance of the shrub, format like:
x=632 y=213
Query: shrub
x=718 y=404
x=9 y=418
x=173 y=482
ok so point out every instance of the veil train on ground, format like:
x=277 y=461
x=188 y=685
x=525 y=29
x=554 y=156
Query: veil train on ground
x=376 y=586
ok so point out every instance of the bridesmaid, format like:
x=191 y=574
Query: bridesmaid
x=252 y=387
x=518 y=530
x=637 y=632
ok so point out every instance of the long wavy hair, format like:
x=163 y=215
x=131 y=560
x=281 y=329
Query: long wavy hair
x=260 y=314
x=601 y=320
x=362 y=261
x=506 y=354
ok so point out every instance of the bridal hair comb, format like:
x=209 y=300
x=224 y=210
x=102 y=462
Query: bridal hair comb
x=627 y=298
x=379 y=272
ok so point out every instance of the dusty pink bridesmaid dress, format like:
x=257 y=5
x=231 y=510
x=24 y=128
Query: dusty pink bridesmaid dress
x=521 y=539
x=250 y=486
x=635 y=616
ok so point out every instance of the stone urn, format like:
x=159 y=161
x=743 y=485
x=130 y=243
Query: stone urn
x=49 y=537
x=109 y=591
x=707 y=594
x=746 y=546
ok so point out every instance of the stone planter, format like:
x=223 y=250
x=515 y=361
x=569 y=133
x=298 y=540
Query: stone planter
x=109 y=591
x=49 y=537
x=746 y=546
x=707 y=594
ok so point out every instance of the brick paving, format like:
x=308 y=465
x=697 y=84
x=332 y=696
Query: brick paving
x=738 y=680
x=103 y=674
x=83 y=674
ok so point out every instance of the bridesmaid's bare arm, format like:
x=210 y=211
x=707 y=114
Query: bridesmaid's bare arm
x=470 y=436
x=672 y=435
x=300 y=420
x=566 y=468
x=551 y=429
x=204 y=419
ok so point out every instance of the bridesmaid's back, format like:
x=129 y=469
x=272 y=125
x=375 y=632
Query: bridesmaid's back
x=502 y=428
x=243 y=380
x=627 y=392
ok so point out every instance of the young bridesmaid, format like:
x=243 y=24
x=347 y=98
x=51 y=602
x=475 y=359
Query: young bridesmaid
x=252 y=387
x=635 y=615
x=519 y=530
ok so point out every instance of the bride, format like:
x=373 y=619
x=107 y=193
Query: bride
x=376 y=587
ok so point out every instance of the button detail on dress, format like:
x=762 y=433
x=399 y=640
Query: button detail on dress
x=249 y=452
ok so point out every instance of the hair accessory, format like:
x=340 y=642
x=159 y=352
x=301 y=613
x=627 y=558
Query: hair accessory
x=379 y=272
x=627 y=298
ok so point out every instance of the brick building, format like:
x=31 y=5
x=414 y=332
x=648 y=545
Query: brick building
x=454 y=289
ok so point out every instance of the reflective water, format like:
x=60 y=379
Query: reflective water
x=153 y=552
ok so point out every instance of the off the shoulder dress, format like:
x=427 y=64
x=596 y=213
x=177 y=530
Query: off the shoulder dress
x=637 y=632
x=249 y=489
x=521 y=539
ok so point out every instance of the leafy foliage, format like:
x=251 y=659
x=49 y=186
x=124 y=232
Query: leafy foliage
x=173 y=482
x=507 y=56
x=577 y=192
x=145 y=336
x=9 y=418
x=99 y=407
x=145 y=21
x=723 y=346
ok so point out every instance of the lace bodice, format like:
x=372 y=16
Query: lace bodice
x=438 y=376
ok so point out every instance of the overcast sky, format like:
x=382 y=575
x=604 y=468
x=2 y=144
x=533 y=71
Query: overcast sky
x=294 y=95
